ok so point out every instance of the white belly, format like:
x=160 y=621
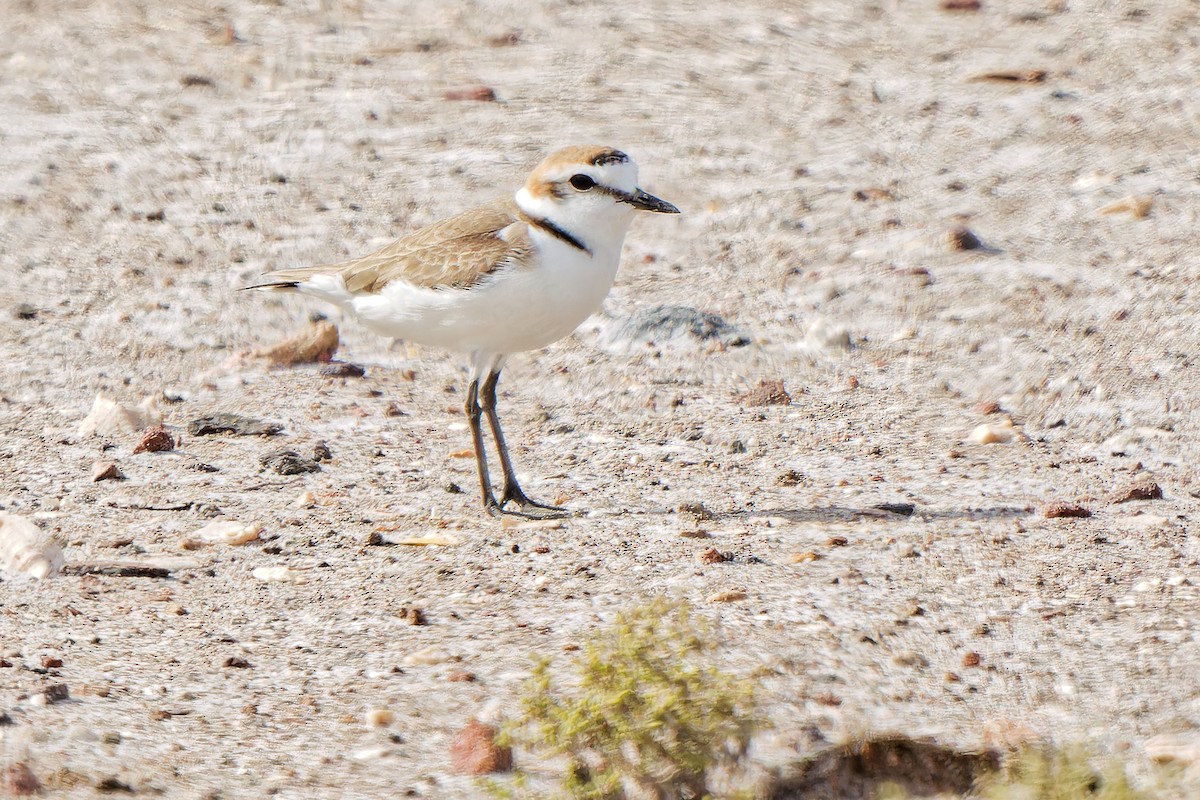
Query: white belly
x=518 y=308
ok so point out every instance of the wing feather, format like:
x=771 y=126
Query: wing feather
x=456 y=252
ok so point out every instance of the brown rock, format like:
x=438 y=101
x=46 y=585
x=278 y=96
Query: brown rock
x=474 y=751
x=961 y=5
x=482 y=94
x=106 y=471
x=415 y=616
x=972 y=659
x=317 y=343
x=767 y=393
x=461 y=676
x=56 y=693
x=236 y=663
x=51 y=662
x=962 y=238
x=1142 y=490
x=838 y=541
x=155 y=440
x=712 y=556
x=18 y=780
x=1065 y=510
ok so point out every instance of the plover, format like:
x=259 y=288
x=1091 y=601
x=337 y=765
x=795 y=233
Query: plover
x=512 y=275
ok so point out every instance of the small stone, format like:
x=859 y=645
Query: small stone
x=805 y=557
x=25 y=311
x=380 y=717
x=56 y=693
x=474 y=751
x=18 y=780
x=461 y=676
x=961 y=5
x=51 y=662
x=236 y=424
x=664 y=326
x=837 y=541
x=961 y=238
x=427 y=656
x=342 y=369
x=825 y=336
x=1065 y=511
x=731 y=596
x=156 y=439
x=305 y=499
x=989 y=407
x=415 y=616
x=106 y=471
x=712 y=556
x=393 y=409
x=321 y=452
x=318 y=342
x=236 y=662
x=288 y=462
x=1142 y=490
x=791 y=477
x=696 y=511
x=903 y=509
x=767 y=393
x=910 y=658
x=479 y=94
x=971 y=659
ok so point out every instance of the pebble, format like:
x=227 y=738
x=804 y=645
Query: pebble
x=1065 y=511
x=1144 y=489
x=380 y=717
x=824 y=336
x=318 y=342
x=304 y=500
x=767 y=393
x=474 y=751
x=478 y=94
x=229 y=532
x=288 y=462
x=27 y=549
x=712 y=556
x=18 y=780
x=108 y=417
x=961 y=238
x=428 y=655
x=662 y=326
x=731 y=596
x=155 y=439
x=805 y=557
x=236 y=424
x=342 y=369
x=106 y=471
x=1182 y=749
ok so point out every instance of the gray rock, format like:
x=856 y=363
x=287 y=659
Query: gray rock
x=671 y=325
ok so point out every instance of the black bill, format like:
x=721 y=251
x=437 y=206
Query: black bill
x=648 y=202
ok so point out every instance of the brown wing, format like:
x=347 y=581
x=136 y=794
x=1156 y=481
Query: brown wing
x=453 y=253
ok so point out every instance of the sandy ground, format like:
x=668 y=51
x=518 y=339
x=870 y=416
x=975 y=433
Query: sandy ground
x=155 y=158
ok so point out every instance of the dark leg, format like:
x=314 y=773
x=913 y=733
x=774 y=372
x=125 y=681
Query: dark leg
x=512 y=490
x=474 y=412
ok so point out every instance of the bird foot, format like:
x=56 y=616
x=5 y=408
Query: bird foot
x=525 y=507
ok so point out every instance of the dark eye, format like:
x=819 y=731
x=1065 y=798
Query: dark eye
x=582 y=182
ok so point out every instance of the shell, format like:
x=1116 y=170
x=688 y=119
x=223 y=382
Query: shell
x=229 y=532
x=108 y=417
x=27 y=549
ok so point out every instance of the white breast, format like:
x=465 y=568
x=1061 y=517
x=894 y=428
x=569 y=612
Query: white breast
x=518 y=308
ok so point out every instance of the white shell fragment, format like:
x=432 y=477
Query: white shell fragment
x=108 y=417
x=27 y=549
x=229 y=532
x=278 y=575
x=995 y=433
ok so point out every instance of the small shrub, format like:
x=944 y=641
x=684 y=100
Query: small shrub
x=1065 y=774
x=646 y=715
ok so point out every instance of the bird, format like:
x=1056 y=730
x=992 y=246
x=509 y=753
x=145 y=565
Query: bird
x=512 y=275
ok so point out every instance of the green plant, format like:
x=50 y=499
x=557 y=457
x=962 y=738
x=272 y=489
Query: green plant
x=647 y=715
x=1059 y=774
